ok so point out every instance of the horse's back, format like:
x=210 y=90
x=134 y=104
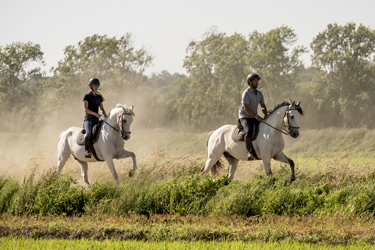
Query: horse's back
x=68 y=138
x=221 y=135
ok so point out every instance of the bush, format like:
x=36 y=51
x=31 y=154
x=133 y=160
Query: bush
x=8 y=187
x=53 y=194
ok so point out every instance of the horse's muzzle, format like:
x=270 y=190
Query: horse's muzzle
x=294 y=133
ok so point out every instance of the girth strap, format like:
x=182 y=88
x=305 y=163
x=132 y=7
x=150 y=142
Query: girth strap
x=93 y=151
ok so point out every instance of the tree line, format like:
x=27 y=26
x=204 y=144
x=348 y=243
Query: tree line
x=336 y=90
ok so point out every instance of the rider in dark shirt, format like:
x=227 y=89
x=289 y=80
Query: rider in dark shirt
x=92 y=101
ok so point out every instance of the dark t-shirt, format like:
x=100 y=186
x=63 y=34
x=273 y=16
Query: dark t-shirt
x=94 y=103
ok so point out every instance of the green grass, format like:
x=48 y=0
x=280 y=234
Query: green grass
x=335 y=182
x=17 y=243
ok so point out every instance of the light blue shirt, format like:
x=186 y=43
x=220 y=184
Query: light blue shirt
x=249 y=97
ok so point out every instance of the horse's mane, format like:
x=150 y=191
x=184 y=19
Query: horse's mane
x=286 y=103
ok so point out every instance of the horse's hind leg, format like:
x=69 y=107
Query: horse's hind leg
x=283 y=158
x=233 y=163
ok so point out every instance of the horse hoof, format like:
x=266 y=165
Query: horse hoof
x=131 y=173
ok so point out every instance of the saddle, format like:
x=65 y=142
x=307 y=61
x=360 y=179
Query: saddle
x=238 y=134
x=95 y=135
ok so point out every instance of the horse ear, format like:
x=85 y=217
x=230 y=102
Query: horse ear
x=289 y=100
x=132 y=107
x=298 y=103
x=293 y=103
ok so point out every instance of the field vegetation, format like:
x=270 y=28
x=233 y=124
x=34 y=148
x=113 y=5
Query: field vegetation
x=331 y=202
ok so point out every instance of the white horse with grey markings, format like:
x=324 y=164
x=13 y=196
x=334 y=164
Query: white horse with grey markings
x=268 y=145
x=109 y=145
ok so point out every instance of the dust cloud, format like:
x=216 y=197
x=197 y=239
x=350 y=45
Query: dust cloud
x=32 y=151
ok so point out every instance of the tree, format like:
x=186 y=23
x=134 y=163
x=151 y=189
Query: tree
x=344 y=89
x=115 y=61
x=216 y=67
x=20 y=79
x=273 y=57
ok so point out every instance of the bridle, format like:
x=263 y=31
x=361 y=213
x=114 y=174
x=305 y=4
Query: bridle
x=121 y=125
x=283 y=130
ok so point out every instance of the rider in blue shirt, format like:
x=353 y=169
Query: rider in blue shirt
x=248 y=113
x=92 y=101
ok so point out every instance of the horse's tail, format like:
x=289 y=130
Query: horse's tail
x=216 y=168
x=219 y=165
x=60 y=136
x=209 y=135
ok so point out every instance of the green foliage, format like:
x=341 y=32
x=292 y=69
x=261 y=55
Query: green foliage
x=8 y=187
x=218 y=66
x=115 y=61
x=31 y=244
x=273 y=56
x=52 y=194
x=20 y=82
x=217 y=69
x=344 y=56
x=188 y=194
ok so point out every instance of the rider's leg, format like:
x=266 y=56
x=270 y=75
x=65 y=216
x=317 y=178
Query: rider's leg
x=88 y=127
x=247 y=124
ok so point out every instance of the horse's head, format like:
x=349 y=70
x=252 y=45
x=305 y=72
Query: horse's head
x=291 y=118
x=124 y=120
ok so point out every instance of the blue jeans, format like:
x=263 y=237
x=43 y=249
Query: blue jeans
x=88 y=124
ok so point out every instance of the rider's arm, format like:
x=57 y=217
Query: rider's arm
x=264 y=109
x=102 y=109
x=87 y=111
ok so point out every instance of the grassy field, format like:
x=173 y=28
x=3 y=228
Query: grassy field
x=31 y=244
x=332 y=202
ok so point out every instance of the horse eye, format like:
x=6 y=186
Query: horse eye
x=124 y=121
x=291 y=116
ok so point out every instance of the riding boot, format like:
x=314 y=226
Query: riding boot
x=248 y=141
x=87 y=148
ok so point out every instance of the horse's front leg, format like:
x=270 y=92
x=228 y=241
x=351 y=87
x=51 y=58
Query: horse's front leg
x=283 y=158
x=267 y=165
x=111 y=167
x=126 y=154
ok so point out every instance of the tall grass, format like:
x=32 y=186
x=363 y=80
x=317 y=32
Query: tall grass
x=324 y=187
x=336 y=181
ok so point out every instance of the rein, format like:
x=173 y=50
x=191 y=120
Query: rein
x=284 y=131
x=121 y=130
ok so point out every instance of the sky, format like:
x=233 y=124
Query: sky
x=165 y=27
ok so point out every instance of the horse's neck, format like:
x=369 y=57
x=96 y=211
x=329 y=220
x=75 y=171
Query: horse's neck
x=276 y=118
x=111 y=119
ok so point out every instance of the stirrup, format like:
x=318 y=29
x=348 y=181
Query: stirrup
x=87 y=154
x=250 y=157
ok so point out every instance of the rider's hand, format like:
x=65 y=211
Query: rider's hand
x=259 y=118
x=97 y=115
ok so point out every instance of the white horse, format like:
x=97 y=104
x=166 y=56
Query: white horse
x=268 y=144
x=110 y=144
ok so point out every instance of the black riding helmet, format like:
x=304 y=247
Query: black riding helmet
x=252 y=77
x=94 y=81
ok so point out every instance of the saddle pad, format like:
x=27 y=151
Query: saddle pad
x=95 y=132
x=238 y=133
